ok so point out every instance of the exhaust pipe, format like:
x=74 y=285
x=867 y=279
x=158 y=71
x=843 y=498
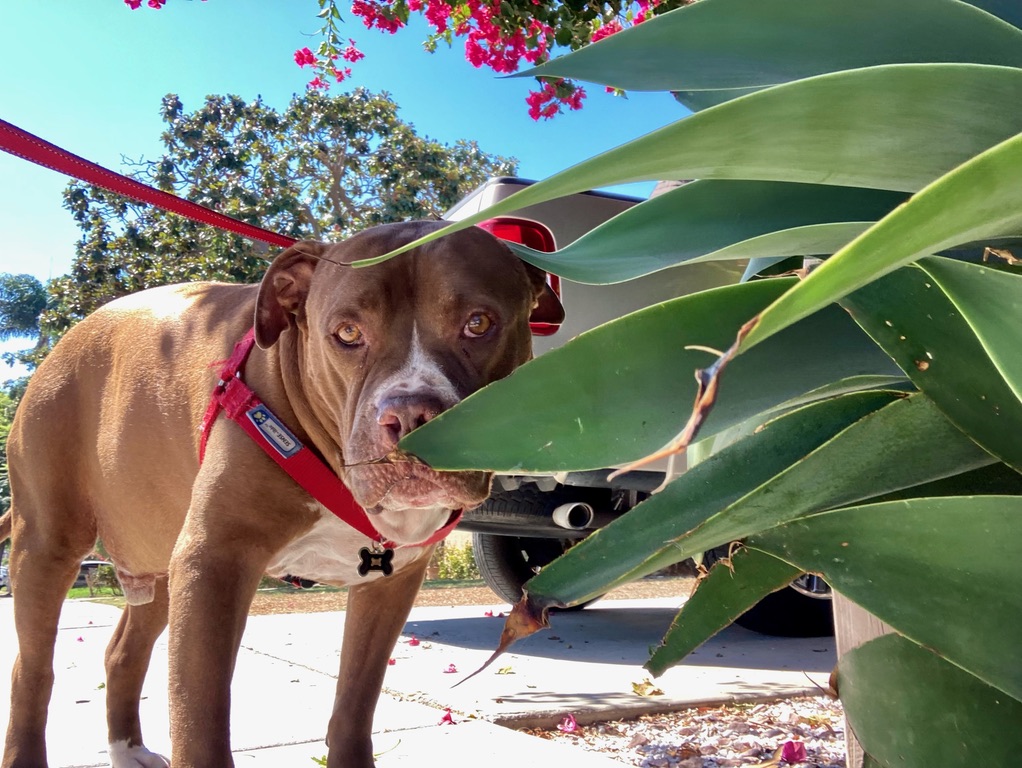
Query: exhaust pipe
x=575 y=516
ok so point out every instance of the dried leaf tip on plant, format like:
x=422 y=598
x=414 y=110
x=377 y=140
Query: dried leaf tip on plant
x=524 y=620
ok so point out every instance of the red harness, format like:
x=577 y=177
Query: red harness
x=243 y=406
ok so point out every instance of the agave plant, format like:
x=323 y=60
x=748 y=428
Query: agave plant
x=884 y=139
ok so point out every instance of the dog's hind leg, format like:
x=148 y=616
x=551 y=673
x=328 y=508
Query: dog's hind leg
x=42 y=569
x=127 y=660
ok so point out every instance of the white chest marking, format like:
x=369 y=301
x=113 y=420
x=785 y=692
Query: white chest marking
x=328 y=553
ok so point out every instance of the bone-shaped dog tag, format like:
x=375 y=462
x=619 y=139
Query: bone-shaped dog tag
x=375 y=561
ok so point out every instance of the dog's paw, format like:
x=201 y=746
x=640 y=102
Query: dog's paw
x=123 y=756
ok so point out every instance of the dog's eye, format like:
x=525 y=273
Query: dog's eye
x=350 y=335
x=477 y=325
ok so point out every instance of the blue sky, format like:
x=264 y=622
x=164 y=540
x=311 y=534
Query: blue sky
x=88 y=75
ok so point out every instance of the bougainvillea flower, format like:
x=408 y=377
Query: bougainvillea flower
x=414 y=641
x=568 y=724
x=304 y=56
x=793 y=752
x=447 y=719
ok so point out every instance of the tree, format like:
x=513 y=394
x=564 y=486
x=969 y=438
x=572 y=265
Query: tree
x=862 y=420
x=498 y=34
x=326 y=166
x=22 y=302
x=22 y=299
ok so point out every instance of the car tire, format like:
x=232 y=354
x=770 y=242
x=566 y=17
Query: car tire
x=507 y=562
x=788 y=612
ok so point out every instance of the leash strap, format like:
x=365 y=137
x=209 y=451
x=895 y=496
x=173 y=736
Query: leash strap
x=236 y=399
x=27 y=146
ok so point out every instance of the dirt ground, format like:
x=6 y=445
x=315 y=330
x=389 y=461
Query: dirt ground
x=319 y=599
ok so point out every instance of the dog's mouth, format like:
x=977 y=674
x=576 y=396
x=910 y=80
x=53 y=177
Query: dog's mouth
x=407 y=485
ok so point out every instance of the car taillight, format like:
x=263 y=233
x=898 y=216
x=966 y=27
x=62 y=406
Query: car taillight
x=533 y=235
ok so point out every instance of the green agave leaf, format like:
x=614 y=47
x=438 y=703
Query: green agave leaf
x=992 y=480
x=912 y=709
x=824 y=455
x=953 y=327
x=638 y=385
x=734 y=44
x=989 y=298
x=981 y=199
x=720 y=440
x=916 y=563
x=720 y=598
x=1009 y=10
x=708 y=220
x=697 y=100
x=894 y=127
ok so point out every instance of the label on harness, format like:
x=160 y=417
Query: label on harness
x=276 y=434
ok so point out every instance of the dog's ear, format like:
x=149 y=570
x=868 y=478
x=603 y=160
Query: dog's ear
x=548 y=307
x=283 y=291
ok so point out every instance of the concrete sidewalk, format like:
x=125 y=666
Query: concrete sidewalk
x=284 y=683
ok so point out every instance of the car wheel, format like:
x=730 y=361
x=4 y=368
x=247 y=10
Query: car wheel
x=802 y=609
x=507 y=562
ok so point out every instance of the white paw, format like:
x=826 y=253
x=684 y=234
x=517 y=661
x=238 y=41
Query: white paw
x=123 y=756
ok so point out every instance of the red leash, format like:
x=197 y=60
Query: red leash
x=25 y=145
x=234 y=397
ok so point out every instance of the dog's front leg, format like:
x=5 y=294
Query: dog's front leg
x=214 y=573
x=376 y=613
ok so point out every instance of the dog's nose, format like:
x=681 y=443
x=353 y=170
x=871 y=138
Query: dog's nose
x=400 y=414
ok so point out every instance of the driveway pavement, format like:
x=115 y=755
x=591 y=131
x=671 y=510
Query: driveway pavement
x=283 y=686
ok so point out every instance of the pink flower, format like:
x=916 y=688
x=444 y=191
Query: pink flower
x=414 y=641
x=575 y=100
x=156 y=4
x=341 y=74
x=351 y=53
x=437 y=14
x=793 y=752
x=451 y=670
x=304 y=56
x=80 y=640
x=608 y=29
x=373 y=16
x=391 y=662
x=317 y=82
x=133 y=4
x=568 y=724
x=447 y=719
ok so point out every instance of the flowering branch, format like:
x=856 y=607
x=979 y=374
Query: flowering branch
x=498 y=34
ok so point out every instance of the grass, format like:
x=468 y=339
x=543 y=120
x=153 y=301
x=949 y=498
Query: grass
x=272 y=587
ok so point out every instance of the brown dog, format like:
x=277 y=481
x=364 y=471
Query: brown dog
x=105 y=446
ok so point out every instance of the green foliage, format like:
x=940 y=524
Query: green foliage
x=455 y=562
x=900 y=487
x=324 y=167
x=22 y=299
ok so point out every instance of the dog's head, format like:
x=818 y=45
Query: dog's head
x=381 y=350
